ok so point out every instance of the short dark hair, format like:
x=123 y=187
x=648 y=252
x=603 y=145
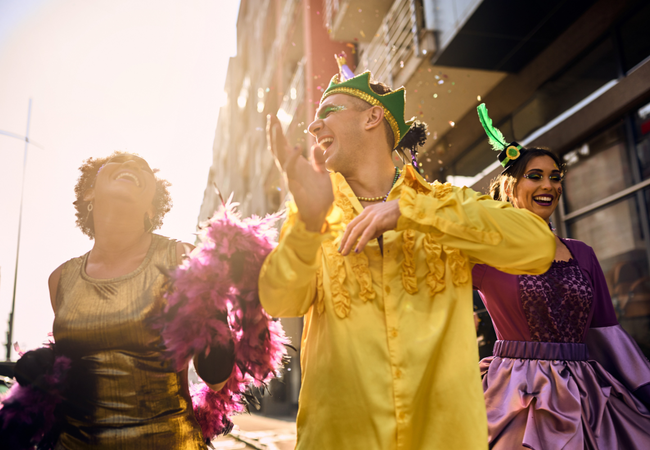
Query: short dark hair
x=509 y=178
x=162 y=201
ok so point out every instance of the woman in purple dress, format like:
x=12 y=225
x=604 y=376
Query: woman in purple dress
x=564 y=374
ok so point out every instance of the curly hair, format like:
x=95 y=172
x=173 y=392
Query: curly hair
x=507 y=181
x=162 y=201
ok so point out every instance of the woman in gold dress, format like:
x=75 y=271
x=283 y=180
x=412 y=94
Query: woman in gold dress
x=123 y=392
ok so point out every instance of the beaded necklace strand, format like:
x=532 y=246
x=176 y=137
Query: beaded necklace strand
x=383 y=198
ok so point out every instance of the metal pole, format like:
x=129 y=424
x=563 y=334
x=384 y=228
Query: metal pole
x=10 y=332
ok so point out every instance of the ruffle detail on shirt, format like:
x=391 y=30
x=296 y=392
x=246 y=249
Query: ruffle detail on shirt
x=343 y=202
x=458 y=265
x=320 y=293
x=441 y=190
x=336 y=265
x=359 y=263
x=436 y=275
x=409 y=281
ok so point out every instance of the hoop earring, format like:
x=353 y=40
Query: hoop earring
x=148 y=226
x=90 y=208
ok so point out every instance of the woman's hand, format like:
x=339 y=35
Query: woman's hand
x=309 y=183
x=374 y=221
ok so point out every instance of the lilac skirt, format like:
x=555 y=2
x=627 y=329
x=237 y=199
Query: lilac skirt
x=542 y=395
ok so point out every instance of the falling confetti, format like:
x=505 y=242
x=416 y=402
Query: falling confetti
x=478 y=97
x=441 y=82
x=401 y=64
x=362 y=33
x=435 y=135
x=435 y=95
x=452 y=124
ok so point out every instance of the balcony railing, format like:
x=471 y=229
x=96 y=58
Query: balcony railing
x=399 y=45
x=295 y=95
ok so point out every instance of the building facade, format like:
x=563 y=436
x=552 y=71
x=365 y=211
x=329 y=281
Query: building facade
x=573 y=76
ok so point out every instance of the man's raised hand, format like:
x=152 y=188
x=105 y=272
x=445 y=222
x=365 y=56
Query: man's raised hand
x=309 y=183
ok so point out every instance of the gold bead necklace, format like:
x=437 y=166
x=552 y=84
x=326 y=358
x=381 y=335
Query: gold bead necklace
x=382 y=198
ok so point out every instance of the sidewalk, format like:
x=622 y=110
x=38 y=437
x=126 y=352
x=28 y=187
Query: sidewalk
x=259 y=433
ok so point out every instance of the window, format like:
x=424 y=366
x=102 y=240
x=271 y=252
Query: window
x=598 y=169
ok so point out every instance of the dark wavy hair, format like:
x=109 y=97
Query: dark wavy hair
x=507 y=181
x=162 y=201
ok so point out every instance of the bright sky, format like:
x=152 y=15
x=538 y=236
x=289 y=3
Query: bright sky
x=144 y=76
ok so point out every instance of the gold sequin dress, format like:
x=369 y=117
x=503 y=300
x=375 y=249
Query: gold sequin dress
x=124 y=394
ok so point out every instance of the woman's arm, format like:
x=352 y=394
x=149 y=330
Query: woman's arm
x=53 y=284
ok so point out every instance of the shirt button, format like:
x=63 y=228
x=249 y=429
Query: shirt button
x=421 y=214
x=401 y=415
x=387 y=289
x=398 y=373
x=393 y=333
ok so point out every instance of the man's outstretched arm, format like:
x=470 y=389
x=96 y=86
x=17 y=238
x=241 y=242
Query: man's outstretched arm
x=287 y=281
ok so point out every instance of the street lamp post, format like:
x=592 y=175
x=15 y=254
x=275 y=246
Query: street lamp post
x=20 y=219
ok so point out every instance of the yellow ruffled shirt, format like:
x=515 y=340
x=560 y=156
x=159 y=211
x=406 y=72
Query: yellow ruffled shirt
x=389 y=354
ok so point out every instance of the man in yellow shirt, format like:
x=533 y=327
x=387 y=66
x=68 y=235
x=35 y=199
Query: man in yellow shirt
x=389 y=355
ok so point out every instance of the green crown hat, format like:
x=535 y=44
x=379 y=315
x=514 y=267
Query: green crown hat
x=508 y=151
x=392 y=102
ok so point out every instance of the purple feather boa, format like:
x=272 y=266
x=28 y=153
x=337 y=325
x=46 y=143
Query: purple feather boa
x=27 y=414
x=220 y=278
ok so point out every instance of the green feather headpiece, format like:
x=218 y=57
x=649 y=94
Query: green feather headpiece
x=508 y=152
x=392 y=103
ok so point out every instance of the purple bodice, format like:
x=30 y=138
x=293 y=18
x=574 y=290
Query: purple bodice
x=556 y=304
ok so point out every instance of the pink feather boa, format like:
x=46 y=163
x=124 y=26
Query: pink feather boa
x=209 y=282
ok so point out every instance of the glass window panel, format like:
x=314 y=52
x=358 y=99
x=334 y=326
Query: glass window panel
x=597 y=169
x=614 y=232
